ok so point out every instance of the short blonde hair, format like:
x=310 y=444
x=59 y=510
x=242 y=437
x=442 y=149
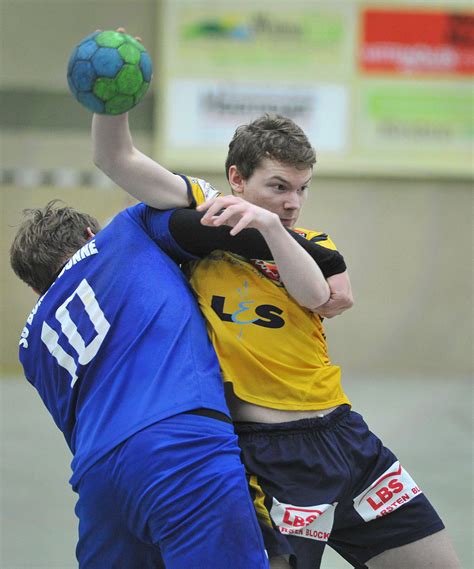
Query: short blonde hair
x=45 y=241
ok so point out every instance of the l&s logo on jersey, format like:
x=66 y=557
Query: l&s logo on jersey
x=267 y=315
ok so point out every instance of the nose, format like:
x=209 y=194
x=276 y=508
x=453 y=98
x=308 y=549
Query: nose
x=292 y=201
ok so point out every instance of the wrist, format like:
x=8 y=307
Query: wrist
x=272 y=225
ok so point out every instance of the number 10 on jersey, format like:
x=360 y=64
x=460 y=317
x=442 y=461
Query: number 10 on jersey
x=85 y=353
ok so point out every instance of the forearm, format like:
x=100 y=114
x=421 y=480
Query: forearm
x=143 y=178
x=301 y=276
x=200 y=240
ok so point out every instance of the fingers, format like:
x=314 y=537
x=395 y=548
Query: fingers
x=228 y=210
x=217 y=216
x=243 y=223
x=224 y=201
x=212 y=208
x=215 y=209
x=237 y=213
x=124 y=31
x=205 y=205
x=234 y=215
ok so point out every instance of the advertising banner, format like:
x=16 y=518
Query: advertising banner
x=417 y=41
x=381 y=89
x=205 y=113
x=261 y=40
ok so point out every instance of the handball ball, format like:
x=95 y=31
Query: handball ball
x=109 y=72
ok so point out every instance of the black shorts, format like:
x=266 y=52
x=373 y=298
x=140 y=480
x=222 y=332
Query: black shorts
x=330 y=480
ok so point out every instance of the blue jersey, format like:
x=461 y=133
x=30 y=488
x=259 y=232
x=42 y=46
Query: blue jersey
x=118 y=342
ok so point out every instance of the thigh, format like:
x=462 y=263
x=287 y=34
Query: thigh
x=213 y=524
x=432 y=552
x=331 y=481
x=278 y=522
x=385 y=508
x=192 y=498
x=179 y=492
x=359 y=541
x=296 y=475
x=105 y=539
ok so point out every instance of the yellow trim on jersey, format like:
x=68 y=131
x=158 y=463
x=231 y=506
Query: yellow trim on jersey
x=200 y=190
x=272 y=350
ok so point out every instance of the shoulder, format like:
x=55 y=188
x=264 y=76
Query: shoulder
x=318 y=237
x=199 y=190
x=143 y=215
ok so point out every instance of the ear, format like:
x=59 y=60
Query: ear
x=89 y=233
x=236 y=181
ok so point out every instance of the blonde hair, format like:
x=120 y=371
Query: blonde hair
x=45 y=241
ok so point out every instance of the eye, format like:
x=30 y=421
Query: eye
x=302 y=190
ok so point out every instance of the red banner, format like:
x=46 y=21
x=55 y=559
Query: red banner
x=409 y=41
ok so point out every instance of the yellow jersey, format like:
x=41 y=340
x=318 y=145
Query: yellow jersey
x=272 y=350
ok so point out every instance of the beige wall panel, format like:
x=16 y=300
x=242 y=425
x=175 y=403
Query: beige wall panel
x=37 y=37
x=408 y=245
x=51 y=150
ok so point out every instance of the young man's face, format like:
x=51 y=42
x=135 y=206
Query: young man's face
x=277 y=187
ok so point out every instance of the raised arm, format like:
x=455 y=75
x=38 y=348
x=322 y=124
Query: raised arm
x=115 y=154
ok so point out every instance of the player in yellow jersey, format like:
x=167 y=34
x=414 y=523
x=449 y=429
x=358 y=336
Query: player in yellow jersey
x=317 y=474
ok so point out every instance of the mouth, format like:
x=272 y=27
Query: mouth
x=288 y=222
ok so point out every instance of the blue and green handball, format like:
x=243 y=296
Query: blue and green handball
x=109 y=72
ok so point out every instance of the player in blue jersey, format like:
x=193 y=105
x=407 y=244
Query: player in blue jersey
x=317 y=473
x=118 y=351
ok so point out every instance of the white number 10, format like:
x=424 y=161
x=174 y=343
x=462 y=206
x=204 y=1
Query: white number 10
x=69 y=329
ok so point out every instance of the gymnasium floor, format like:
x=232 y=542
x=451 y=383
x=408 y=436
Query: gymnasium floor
x=432 y=437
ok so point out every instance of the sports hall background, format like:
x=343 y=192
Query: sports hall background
x=401 y=216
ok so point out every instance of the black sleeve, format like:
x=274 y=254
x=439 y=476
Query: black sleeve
x=187 y=230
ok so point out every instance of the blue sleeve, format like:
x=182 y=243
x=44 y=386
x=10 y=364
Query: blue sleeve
x=155 y=223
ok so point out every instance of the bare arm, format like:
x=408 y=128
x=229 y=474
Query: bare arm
x=115 y=154
x=341 y=298
x=302 y=277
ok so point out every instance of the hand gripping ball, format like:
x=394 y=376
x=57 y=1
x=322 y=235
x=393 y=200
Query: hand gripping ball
x=109 y=72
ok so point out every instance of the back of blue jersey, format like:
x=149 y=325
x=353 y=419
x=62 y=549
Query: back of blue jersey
x=118 y=342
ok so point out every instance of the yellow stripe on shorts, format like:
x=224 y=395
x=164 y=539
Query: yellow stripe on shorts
x=259 y=501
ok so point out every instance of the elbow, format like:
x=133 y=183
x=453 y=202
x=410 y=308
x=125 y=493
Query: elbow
x=111 y=166
x=98 y=160
x=336 y=305
x=344 y=302
x=102 y=162
x=347 y=301
x=111 y=158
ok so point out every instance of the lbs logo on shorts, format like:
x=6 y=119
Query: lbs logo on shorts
x=391 y=490
x=312 y=522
